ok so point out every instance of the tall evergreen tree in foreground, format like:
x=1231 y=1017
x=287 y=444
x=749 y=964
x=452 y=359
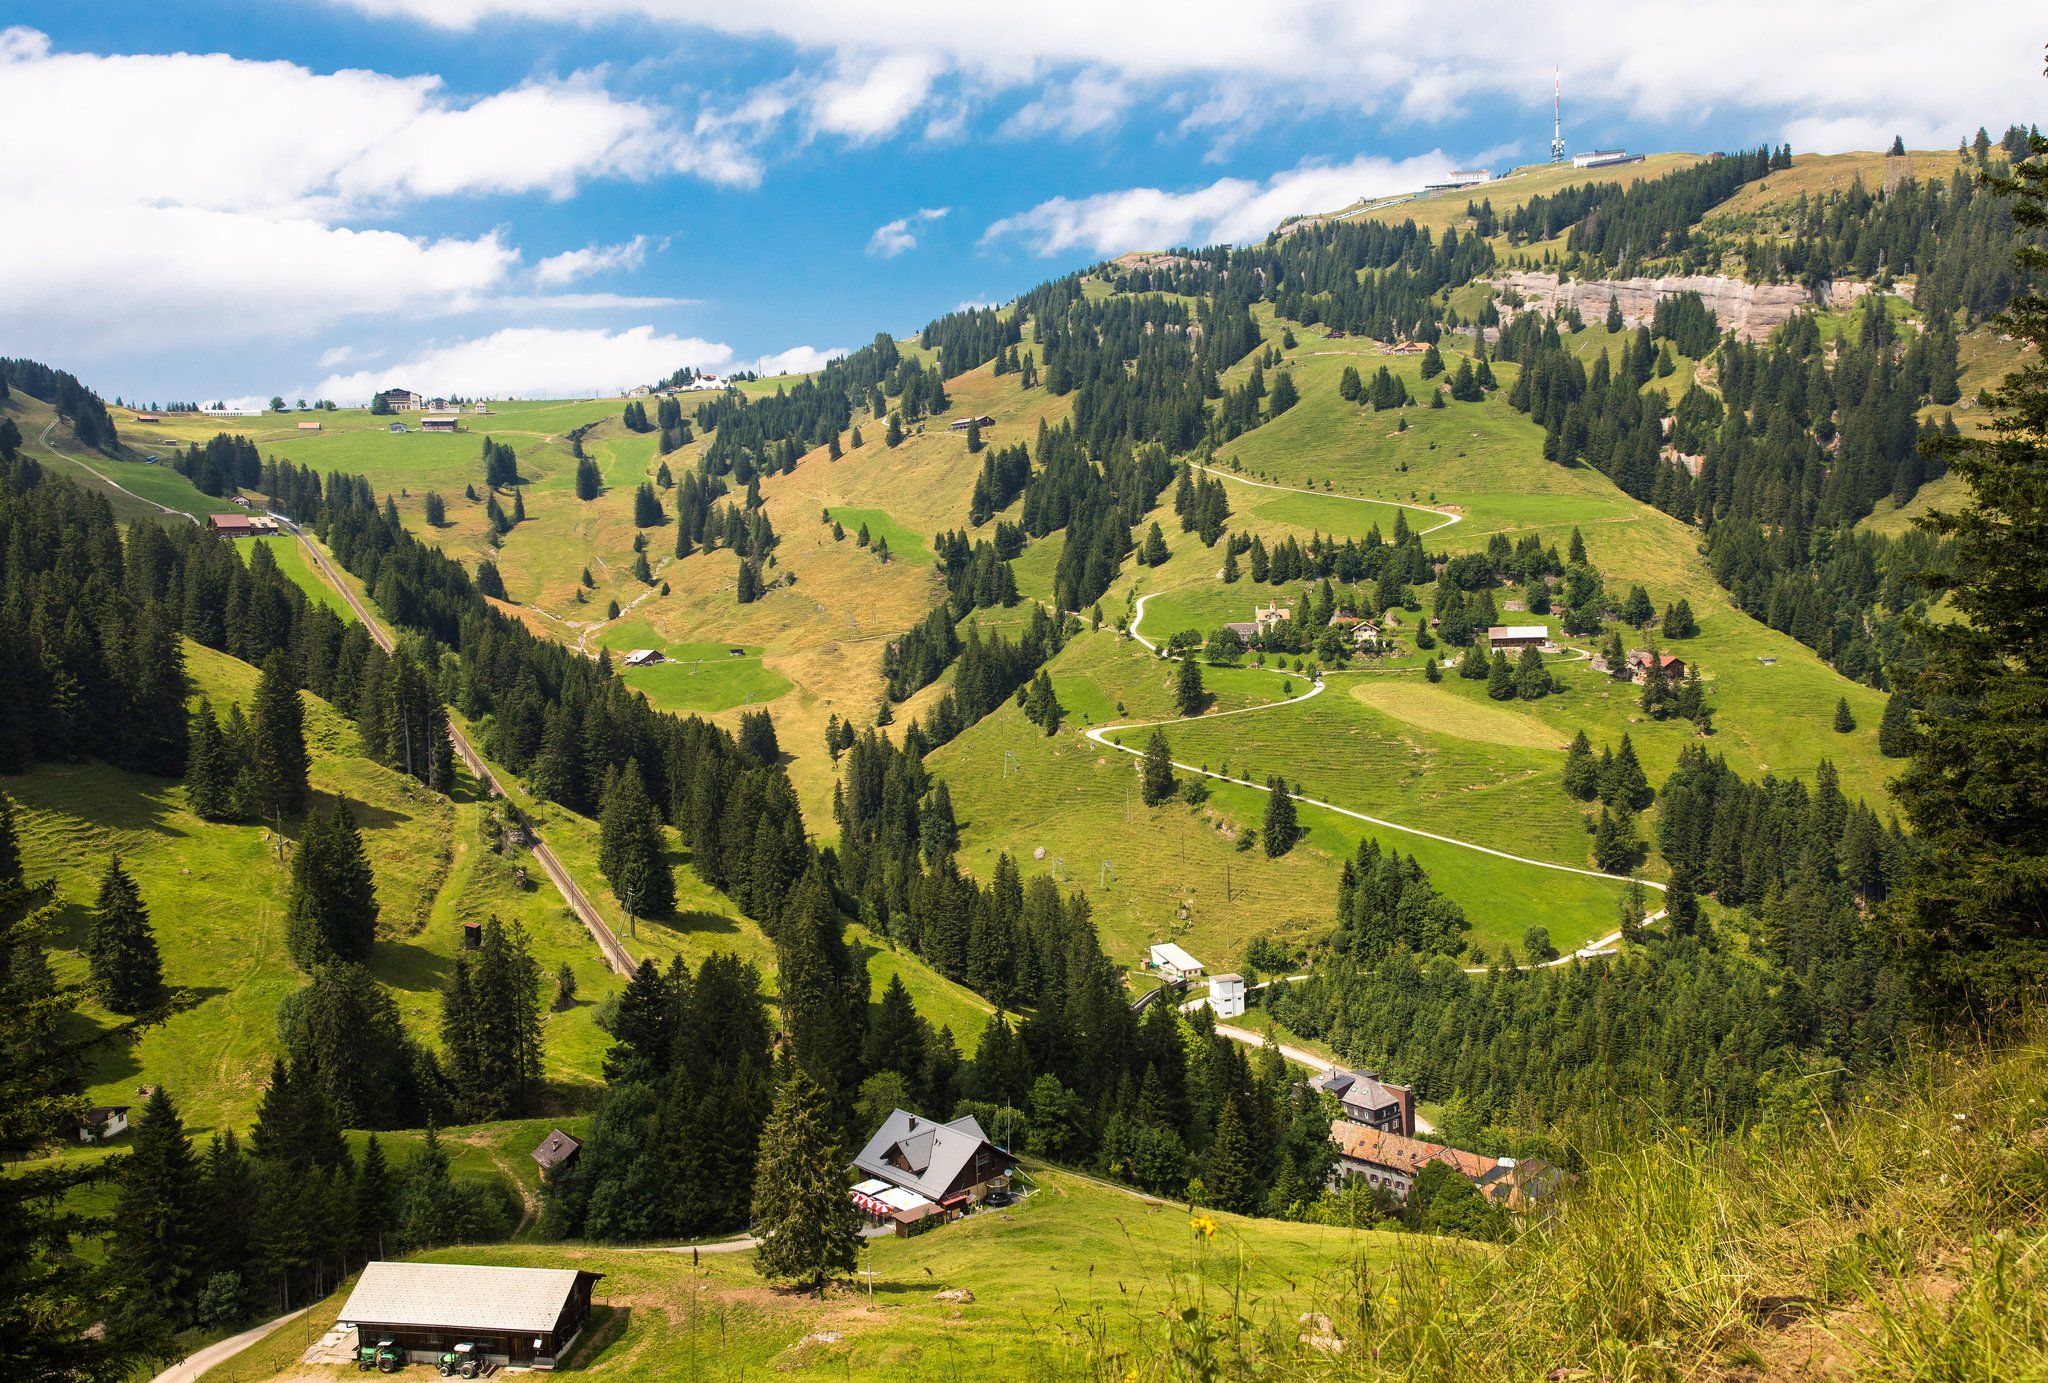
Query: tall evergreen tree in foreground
x=807 y=1226
x=332 y=912
x=156 y=1255
x=1188 y=696
x=49 y=1294
x=1971 y=929
x=1280 y=831
x=120 y=947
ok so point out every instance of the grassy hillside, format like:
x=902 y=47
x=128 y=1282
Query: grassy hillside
x=1068 y=1262
x=217 y=895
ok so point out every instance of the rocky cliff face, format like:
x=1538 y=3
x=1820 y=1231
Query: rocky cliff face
x=1750 y=310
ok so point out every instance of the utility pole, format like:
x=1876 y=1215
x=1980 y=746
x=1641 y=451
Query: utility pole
x=632 y=926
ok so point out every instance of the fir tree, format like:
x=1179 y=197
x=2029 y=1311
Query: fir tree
x=277 y=747
x=156 y=1253
x=1154 y=551
x=1581 y=770
x=1431 y=672
x=589 y=481
x=331 y=914
x=1279 y=831
x=1895 y=729
x=120 y=946
x=1157 y=779
x=1500 y=677
x=1679 y=622
x=1622 y=780
x=630 y=846
x=210 y=770
x=1845 y=719
x=1229 y=1177
x=1532 y=679
x=1188 y=696
x=808 y=1231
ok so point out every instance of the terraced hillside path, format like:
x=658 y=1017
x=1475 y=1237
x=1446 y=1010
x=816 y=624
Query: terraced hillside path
x=1235 y=478
x=1100 y=734
x=558 y=873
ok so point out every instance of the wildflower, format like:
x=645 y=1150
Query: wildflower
x=1959 y=1116
x=1205 y=1225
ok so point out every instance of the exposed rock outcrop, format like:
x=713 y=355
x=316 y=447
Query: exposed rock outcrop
x=1750 y=310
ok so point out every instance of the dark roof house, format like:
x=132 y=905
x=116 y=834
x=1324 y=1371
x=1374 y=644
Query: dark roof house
x=1370 y=1101
x=556 y=1151
x=951 y=1164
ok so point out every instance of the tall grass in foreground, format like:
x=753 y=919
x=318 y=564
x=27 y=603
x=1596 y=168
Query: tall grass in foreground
x=1902 y=1237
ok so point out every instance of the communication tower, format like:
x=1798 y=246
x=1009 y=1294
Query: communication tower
x=1556 y=116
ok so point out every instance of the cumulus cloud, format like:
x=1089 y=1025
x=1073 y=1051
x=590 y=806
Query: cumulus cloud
x=892 y=238
x=571 y=265
x=867 y=100
x=1092 y=100
x=193 y=180
x=1230 y=209
x=797 y=360
x=1400 y=56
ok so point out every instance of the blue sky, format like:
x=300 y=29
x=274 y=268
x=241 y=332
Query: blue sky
x=227 y=200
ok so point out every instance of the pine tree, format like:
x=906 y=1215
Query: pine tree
x=1188 y=696
x=120 y=947
x=1532 y=679
x=210 y=770
x=749 y=587
x=1500 y=677
x=1679 y=622
x=802 y=1215
x=1845 y=719
x=647 y=511
x=331 y=914
x=489 y=581
x=1280 y=830
x=1895 y=730
x=1154 y=551
x=375 y=1200
x=1431 y=672
x=589 y=481
x=155 y=1254
x=1622 y=780
x=630 y=846
x=894 y=436
x=1613 y=322
x=1581 y=770
x=1637 y=609
x=1229 y=1178
x=277 y=747
x=1157 y=780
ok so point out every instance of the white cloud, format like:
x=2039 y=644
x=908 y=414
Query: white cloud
x=1653 y=60
x=1091 y=101
x=536 y=362
x=797 y=360
x=867 y=100
x=344 y=355
x=1230 y=209
x=189 y=181
x=892 y=238
x=572 y=265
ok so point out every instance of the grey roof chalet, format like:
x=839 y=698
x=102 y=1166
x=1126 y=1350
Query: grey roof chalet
x=1359 y=1089
x=458 y=1297
x=923 y=1156
x=555 y=1149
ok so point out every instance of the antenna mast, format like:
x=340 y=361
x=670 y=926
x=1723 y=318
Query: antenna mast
x=1556 y=115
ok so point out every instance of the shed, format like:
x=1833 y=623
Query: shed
x=556 y=1152
x=1170 y=959
x=440 y=423
x=523 y=1316
x=962 y=424
x=103 y=1121
x=645 y=657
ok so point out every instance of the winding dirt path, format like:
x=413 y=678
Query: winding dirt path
x=1233 y=477
x=105 y=480
x=1100 y=735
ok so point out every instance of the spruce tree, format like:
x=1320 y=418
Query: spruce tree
x=1622 y=780
x=1532 y=679
x=1188 y=696
x=589 y=482
x=156 y=1254
x=1280 y=830
x=1581 y=770
x=1157 y=780
x=331 y=914
x=277 y=741
x=1679 y=622
x=120 y=946
x=1845 y=719
x=1895 y=729
x=808 y=1230
x=824 y=989
x=630 y=852
x=375 y=1203
x=1500 y=677
x=1229 y=1178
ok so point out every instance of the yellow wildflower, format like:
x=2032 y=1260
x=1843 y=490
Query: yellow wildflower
x=1205 y=1225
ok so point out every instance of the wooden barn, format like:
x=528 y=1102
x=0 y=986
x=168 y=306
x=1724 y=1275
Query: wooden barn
x=527 y=1317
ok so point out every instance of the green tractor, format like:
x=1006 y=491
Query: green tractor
x=465 y=1359
x=384 y=1357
